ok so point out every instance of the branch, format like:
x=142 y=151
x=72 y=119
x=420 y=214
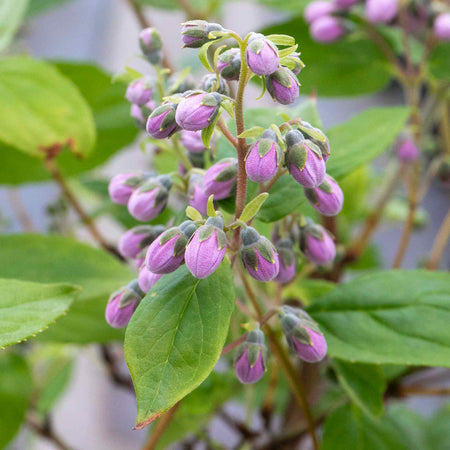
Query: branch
x=113 y=370
x=161 y=426
x=227 y=134
x=45 y=430
x=20 y=210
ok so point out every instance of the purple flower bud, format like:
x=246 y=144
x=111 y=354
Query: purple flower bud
x=136 y=239
x=323 y=144
x=147 y=279
x=327 y=29
x=139 y=91
x=151 y=44
x=122 y=186
x=250 y=359
x=140 y=113
x=283 y=86
x=209 y=84
x=262 y=55
x=122 y=304
x=304 y=337
x=192 y=140
x=195 y=32
x=327 y=198
x=406 y=149
x=381 y=11
x=197 y=197
x=286 y=256
x=197 y=110
x=229 y=64
x=220 y=179
x=344 y=4
x=263 y=159
x=317 y=244
x=318 y=9
x=150 y=198
x=166 y=253
x=441 y=27
x=296 y=64
x=304 y=160
x=258 y=255
x=161 y=122
x=206 y=249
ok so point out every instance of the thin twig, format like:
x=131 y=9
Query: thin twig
x=46 y=431
x=161 y=426
x=227 y=134
x=113 y=370
x=422 y=390
x=20 y=210
x=440 y=243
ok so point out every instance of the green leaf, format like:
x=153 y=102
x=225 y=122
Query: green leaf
x=348 y=428
x=394 y=317
x=251 y=209
x=56 y=259
x=351 y=66
x=39 y=6
x=439 y=62
x=15 y=389
x=438 y=431
x=41 y=108
x=364 y=383
x=281 y=39
x=175 y=337
x=29 y=308
x=12 y=13
x=287 y=5
x=193 y=214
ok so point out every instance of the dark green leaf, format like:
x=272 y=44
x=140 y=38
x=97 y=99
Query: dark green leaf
x=439 y=62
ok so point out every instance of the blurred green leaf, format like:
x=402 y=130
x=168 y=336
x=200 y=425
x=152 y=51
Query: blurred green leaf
x=438 y=431
x=439 y=62
x=12 y=13
x=39 y=6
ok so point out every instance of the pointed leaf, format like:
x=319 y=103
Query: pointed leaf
x=252 y=208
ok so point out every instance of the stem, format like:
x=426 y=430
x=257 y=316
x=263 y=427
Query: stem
x=20 y=210
x=45 y=430
x=180 y=153
x=161 y=427
x=422 y=390
x=227 y=134
x=114 y=374
x=439 y=244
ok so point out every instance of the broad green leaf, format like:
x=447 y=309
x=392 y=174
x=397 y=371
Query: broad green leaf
x=351 y=66
x=176 y=336
x=39 y=6
x=308 y=290
x=438 y=431
x=349 y=428
x=394 y=317
x=439 y=62
x=56 y=259
x=15 y=388
x=12 y=13
x=364 y=383
x=28 y=308
x=251 y=209
x=41 y=108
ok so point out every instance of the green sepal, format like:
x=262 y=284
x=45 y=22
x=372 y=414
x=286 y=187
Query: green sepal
x=253 y=353
x=249 y=257
x=149 y=185
x=133 y=181
x=297 y=155
x=266 y=249
x=313 y=147
x=205 y=232
x=286 y=256
x=264 y=146
x=221 y=239
x=211 y=99
x=256 y=45
x=227 y=174
x=169 y=234
x=168 y=120
x=326 y=187
x=302 y=335
x=161 y=196
x=180 y=245
x=311 y=195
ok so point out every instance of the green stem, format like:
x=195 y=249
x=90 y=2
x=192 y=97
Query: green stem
x=180 y=153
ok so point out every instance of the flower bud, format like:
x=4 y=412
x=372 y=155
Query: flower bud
x=286 y=256
x=328 y=198
x=136 y=239
x=381 y=11
x=220 y=179
x=229 y=64
x=345 y=4
x=197 y=197
x=122 y=304
x=304 y=160
x=147 y=279
x=258 y=255
x=166 y=253
x=304 y=336
x=283 y=86
x=323 y=145
x=192 y=140
x=263 y=159
x=327 y=29
x=206 y=249
x=262 y=55
x=150 y=198
x=317 y=244
x=318 y=9
x=140 y=113
x=209 y=84
x=151 y=44
x=139 y=91
x=195 y=32
x=406 y=149
x=441 y=27
x=122 y=186
x=298 y=64
x=250 y=359
x=161 y=122
x=197 y=110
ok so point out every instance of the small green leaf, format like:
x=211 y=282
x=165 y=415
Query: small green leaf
x=253 y=132
x=439 y=62
x=193 y=214
x=287 y=51
x=252 y=208
x=210 y=210
x=281 y=39
x=128 y=76
x=209 y=130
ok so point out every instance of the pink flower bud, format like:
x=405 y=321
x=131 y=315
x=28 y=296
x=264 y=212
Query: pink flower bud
x=151 y=44
x=150 y=198
x=304 y=160
x=324 y=144
x=298 y=64
x=327 y=29
x=318 y=9
x=406 y=149
x=258 y=255
x=206 y=249
x=441 y=27
x=147 y=279
x=263 y=159
x=229 y=64
x=139 y=91
x=197 y=110
x=287 y=260
x=122 y=186
x=262 y=55
x=220 y=179
x=250 y=362
x=381 y=11
x=283 y=86
x=195 y=32
x=161 y=122
x=197 y=197
x=317 y=245
x=136 y=239
x=140 y=113
x=328 y=198
x=166 y=253
x=192 y=140
x=122 y=304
